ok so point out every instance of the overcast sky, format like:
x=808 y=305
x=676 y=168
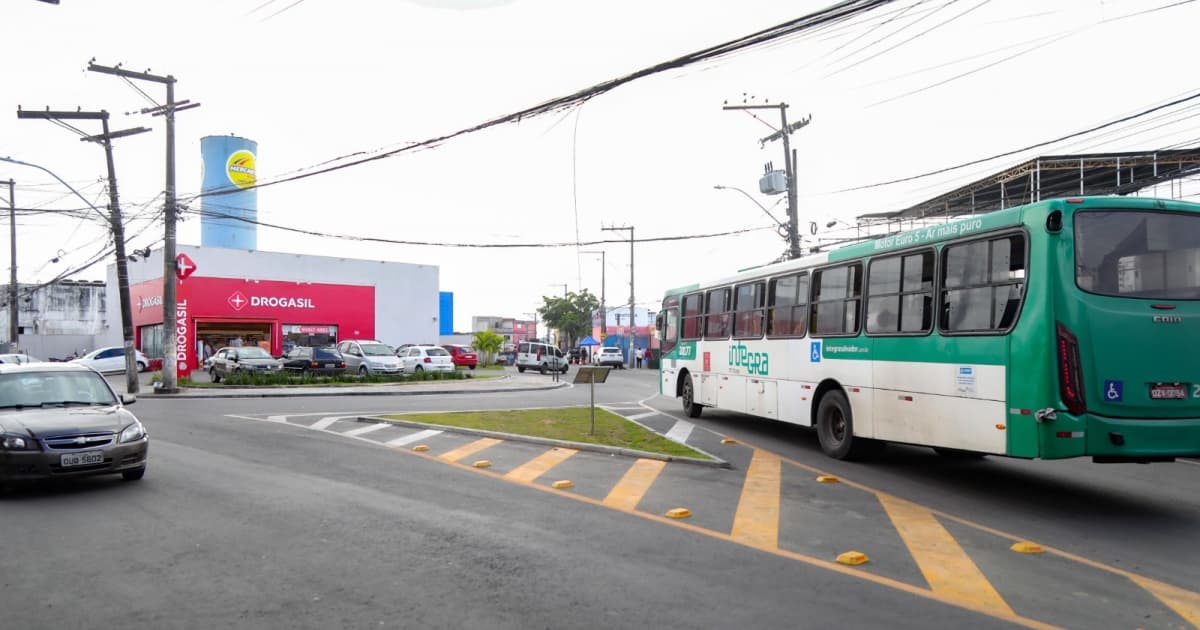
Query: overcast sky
x=908 y=88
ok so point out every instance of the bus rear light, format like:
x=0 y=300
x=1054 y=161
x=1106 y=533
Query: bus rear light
x=1075 y=200
x=1069 y=434
x=1070 y=379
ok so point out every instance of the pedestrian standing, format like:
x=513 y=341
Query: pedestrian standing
x=640 y=355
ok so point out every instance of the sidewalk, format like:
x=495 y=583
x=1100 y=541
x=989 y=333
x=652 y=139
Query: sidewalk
x=511 y=381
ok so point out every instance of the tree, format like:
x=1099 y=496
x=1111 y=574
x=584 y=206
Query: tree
x=487 y=344
x=571 y=315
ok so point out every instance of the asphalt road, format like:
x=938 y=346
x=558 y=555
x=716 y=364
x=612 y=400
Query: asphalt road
x=249 y=519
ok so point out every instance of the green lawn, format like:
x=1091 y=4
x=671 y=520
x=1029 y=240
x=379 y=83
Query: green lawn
x=571 y=424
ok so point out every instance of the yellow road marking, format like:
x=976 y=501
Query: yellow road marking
x=783 y=553
x=467 y=450
x=633 y=486
x=540 y=465
x=949 y=571
x=1185 y=603
x=756 y=522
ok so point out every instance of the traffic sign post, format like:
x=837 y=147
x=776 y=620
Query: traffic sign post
x=591 y=375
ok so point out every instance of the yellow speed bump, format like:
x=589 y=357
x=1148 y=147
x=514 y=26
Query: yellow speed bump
x=827 y=479
x=482 y=463
x=679 y=513
x=1027 y=547
x=421 y=448
x=563 y=484
x=852 y=558
x=728 y=441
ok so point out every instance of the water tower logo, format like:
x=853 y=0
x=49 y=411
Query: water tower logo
x=241 y=169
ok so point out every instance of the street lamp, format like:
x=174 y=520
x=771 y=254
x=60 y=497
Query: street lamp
x=751 y=198
x=603 y=312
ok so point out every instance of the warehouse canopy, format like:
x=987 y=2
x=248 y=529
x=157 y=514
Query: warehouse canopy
x=1054 y=176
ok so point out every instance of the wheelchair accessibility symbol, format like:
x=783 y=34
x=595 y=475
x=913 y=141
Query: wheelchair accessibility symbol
x=1114 y=391
x=815 y=356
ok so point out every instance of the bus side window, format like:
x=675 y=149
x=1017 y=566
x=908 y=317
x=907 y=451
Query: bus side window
x=983 y=282
x=837 y=293
x=716 y=324
x=787 y=300
x=693 y=315
x=748 y=310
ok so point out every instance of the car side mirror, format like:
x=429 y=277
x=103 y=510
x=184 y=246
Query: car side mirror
x=128 y=399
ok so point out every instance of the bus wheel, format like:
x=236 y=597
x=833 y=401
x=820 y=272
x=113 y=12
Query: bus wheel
x=690 y=406
x=958 y=454
x=835 y=429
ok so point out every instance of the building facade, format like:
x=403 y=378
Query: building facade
x=60 y=319
x=275 y=301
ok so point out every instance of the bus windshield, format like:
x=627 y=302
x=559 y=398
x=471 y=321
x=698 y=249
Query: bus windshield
x=1153 y=255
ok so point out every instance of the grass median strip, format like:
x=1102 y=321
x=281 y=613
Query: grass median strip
x=571 y=424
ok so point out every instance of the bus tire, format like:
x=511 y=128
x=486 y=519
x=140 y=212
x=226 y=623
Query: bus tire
x=691 y=408
x=835 y=429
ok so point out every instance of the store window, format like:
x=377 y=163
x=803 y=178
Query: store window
x=151 y=340
x=317 y=336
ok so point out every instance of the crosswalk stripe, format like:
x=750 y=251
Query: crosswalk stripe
x=1185 y=603
x=642 y=415
x=540 y=465
x=756 y=521
x=325 y=423
x=681 y=431
x=413 y=437
x=368 y=429
x=633 y=486
x=949 y=570
x=469 y=449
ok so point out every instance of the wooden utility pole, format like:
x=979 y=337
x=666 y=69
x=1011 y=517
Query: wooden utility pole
x=170 y=367
x=115 y=222
x=14 y=327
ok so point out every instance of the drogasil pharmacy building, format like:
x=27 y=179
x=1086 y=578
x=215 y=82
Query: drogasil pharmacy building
x=274 y=300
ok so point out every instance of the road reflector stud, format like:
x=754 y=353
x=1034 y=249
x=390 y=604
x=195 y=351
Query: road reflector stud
x=679 y=513
x=852 y=558
x=421 y=448
x=563 y=484
x=1027 y=547
x=482 y=463
x=728 y=441
x=1001 y=426
x=827 y=479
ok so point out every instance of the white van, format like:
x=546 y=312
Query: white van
x=540 y=356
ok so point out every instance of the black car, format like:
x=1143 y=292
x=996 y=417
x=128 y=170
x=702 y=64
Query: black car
x=310 y=360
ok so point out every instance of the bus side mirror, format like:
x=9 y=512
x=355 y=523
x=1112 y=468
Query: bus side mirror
x=660 y=325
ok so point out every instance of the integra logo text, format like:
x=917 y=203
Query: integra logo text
x=754 y=362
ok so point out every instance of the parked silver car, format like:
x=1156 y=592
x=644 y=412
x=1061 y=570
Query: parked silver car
x=232 y=360
x=64 y=420
x=367 y=356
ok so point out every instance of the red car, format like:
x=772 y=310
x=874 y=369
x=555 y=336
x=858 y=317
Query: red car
x=463 y=356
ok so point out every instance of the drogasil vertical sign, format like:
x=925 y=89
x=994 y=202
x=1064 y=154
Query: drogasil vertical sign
x=241 y=169
x=182 y=343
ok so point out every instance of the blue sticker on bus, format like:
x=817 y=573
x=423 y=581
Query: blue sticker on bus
x=1114 y=391
x=815 y=356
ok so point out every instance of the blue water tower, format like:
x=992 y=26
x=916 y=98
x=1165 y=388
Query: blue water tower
x=229 y=207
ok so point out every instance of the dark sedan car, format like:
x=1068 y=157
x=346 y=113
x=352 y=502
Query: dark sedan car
x=310 y=360
x=228 y=361
x=63 y=420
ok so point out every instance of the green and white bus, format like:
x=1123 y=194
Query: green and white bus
x=1064 y=328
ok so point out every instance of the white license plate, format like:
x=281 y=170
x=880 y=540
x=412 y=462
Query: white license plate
x=82 y=459
x=330 y=365
x=1168 y=391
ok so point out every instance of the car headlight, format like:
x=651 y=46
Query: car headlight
x=133 y=432
x=18 y=443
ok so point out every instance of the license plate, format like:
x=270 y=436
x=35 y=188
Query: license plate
x=330 y=365
x=82 y=459
x=1168 y=391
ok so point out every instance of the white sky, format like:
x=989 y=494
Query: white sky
x=326 y=78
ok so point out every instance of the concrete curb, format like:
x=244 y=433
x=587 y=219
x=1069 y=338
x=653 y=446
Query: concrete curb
x=298 y=392
x=579 y=446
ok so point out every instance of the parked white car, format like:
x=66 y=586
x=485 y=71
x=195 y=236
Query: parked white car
x=367 y=356
x=611 y=357
x=111 y=359
x=417 y=359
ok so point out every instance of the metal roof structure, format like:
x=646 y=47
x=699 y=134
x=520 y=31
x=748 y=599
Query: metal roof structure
x=1054 y=176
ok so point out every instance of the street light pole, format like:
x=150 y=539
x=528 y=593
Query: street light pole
x=603 y=313
x=632 y=360
x=14 y=329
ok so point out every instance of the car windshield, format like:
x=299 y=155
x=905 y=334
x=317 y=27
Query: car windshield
x=253 y=353
x=376 y=349
x=36 y=389
x=436 y=352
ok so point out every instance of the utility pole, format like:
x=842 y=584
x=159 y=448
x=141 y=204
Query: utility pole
x=632 y=321
x=789 y=160
x=114 y=216
x=603 y=313
x=14 y=328
x=170 y=367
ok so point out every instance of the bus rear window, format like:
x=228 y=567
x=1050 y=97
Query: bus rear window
x=1153 y=255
